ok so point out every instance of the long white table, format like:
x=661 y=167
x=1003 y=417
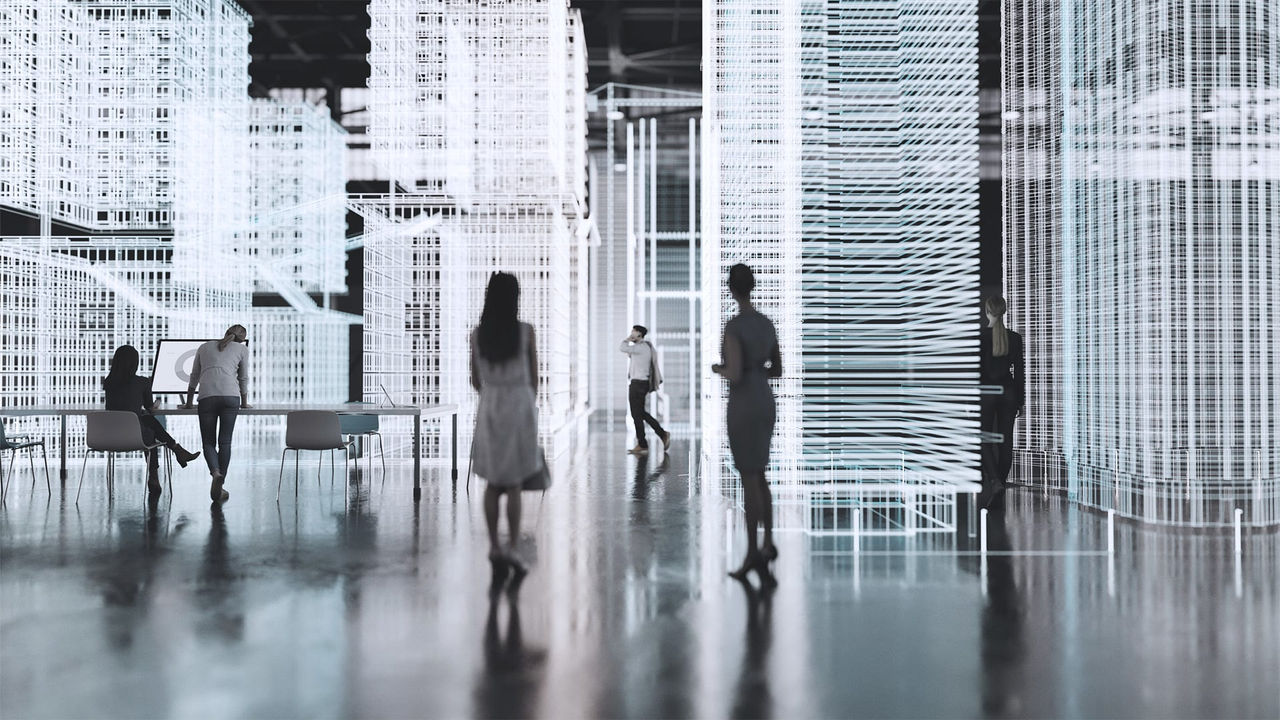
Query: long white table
x=418 y=413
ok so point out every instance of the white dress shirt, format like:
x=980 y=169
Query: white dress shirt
x=640 y=355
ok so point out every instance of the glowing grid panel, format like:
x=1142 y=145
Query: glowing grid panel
x=1171 y=258
x=841 y=164
x=476 y=110
x=298 y=194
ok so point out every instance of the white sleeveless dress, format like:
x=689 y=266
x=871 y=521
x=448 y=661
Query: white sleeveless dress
x=504 y=449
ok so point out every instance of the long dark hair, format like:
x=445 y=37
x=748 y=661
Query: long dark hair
x=124 y=366
x=498 y=335
x=236 y=333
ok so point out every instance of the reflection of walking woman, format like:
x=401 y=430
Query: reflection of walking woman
x=130 y=392
x=504 y=449
x=751 y=356
x=221 y=370
x=1001 y=364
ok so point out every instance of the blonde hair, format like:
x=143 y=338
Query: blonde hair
x=236 y=333
x=995 y=306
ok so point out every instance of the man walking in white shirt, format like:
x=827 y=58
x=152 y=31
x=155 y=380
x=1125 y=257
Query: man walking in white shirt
x=644 y=377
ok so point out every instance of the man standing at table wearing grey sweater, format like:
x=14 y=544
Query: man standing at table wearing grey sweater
x=644 y=377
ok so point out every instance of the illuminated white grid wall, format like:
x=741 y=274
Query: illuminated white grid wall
x=111 y=79
x=1032 y=176
x=298 y=194
x=471 y=98
x=476 y=111
x=135 y=116
x=67 y=303
x=841 y=164
x=1171 y=258
x=425 y=276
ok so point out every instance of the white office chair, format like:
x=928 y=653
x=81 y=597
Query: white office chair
x=111 y=432
x=13 y=445
x=312 y=430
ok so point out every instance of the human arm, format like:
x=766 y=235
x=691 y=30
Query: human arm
x=533 y=359
x=242 y=375
x=148 y=399
x=630 y=344
x=731 y=352
x=1020 y=374
x=195 y=381
x=775 y=361
x=475 y=370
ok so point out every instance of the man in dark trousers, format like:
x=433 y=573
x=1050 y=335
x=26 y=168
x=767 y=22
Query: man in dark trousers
x=644 y=377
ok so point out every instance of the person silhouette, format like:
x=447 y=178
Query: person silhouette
x=1002 y=363
x=504 y=448
x=749 y=357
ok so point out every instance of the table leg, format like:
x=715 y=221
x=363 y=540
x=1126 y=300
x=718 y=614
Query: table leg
x=417 y=457
x=455 y=449
x=62 y=450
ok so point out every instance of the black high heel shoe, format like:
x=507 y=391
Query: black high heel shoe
x=769 y=552
x=767 y=580
x=748 y=564
x=500 y=569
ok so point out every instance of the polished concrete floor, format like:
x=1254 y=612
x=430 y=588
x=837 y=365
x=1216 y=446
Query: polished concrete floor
x=372 y=606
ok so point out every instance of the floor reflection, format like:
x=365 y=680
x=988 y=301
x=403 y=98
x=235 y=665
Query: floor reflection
x=356 y=601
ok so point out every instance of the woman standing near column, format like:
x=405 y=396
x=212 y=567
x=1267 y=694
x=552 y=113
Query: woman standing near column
x=750 y=356
x=221 y=371
x=1002 y=363
x=504 y=449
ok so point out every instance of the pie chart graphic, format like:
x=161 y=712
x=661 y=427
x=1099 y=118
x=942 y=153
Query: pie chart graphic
x=172 y=367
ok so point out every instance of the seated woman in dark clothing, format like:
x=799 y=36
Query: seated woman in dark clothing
x=128 y=391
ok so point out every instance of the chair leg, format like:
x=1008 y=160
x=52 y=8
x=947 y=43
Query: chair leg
x=31 y=460
x=468 y=476
x=296 y=454
x=280 y=479
x=44 y=452
x=81 y=483
x=3 y=484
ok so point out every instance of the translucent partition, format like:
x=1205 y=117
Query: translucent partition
x=841 y=163
x=476 y=110
x=1149 y=252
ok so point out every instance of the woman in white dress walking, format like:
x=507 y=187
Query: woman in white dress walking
x=504 y=451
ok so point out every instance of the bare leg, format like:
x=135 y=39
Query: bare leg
x=766 y=510
x=491 y=495
x=753 y=509
x=513 y=518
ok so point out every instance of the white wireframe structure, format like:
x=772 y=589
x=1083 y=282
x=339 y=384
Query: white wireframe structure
x=840 y=162
x=478 y=113
x=132 y=120
x=1168 y=258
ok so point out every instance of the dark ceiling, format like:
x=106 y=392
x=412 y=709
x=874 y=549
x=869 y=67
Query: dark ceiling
x=323 y=43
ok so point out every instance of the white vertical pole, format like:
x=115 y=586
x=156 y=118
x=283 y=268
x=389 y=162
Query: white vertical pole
x=631 y=224
x=693 y=264
x=653 y=223
x=982 y=530
x=1111 y=532
x=1239 y=513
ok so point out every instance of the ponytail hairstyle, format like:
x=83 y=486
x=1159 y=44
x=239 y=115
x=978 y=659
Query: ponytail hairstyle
x=235 y=333
x=995 y=306
x=124 y=365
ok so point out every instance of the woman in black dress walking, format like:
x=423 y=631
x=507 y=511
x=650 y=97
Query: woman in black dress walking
x=1002 y=363
x=751 y=356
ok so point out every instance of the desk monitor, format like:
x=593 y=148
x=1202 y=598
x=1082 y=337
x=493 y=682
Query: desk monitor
x=171 y=372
